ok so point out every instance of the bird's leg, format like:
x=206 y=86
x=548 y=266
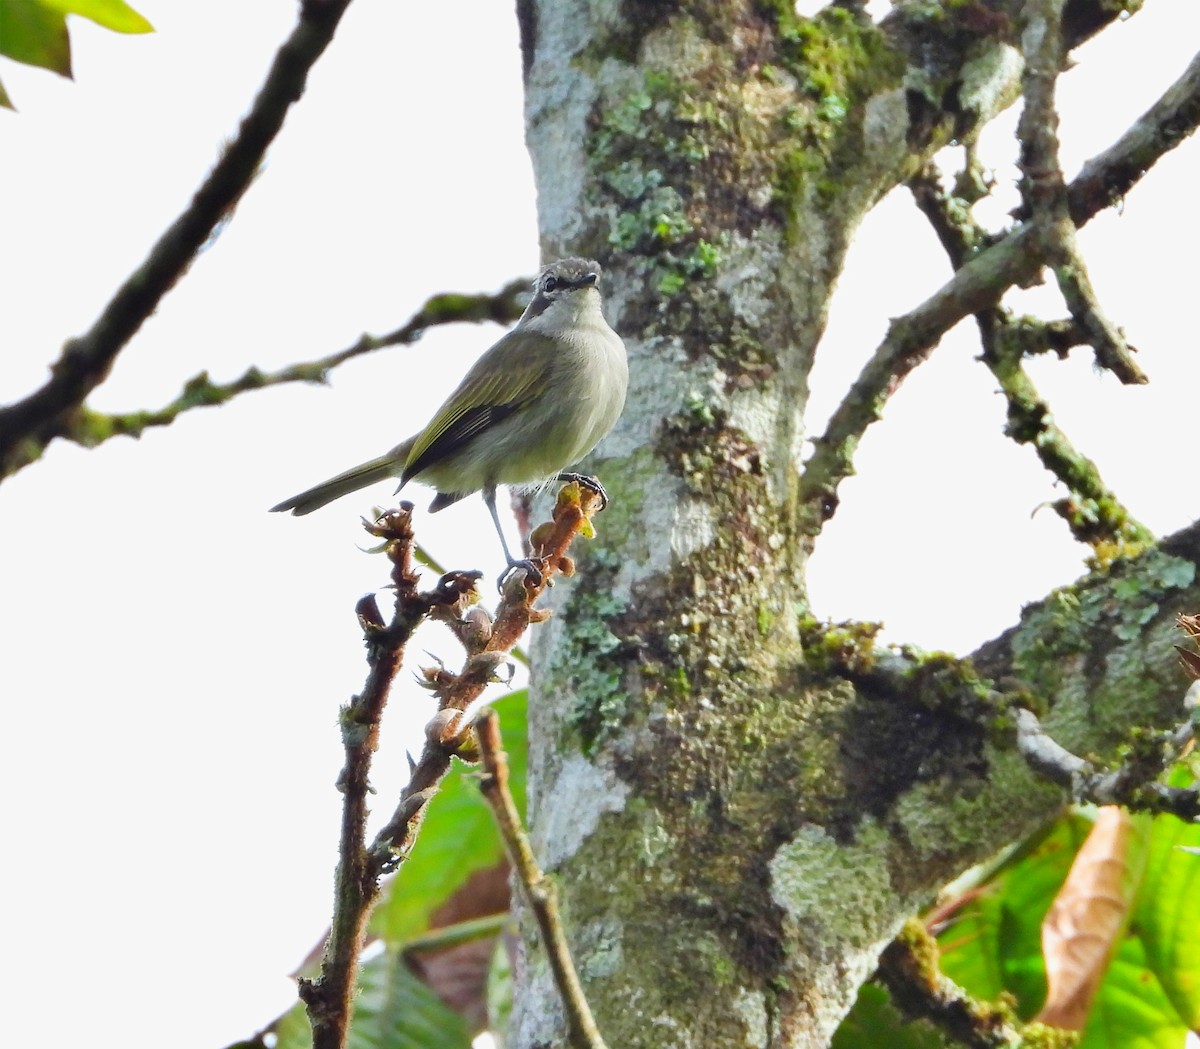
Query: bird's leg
x=535 y=573
x=592 y=483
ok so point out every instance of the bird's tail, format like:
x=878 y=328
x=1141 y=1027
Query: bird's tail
x=345 y=483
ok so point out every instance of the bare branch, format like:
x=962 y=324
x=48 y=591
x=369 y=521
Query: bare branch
x=485 y=640
x=360 y=867
x=979 y=284
x=1132 y=784
x=329 y=997
x=27 y=426
x=539 y=890
x=1045 y=191
x=90 y=428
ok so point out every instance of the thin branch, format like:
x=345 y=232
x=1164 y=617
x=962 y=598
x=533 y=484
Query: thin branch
x=1045 y=194
x=329 y=997
x=1093 y=512
x=539 y=890
x=27 y=426
x=361 y=866
x=1132 y=784
x=979 y=285
x=90 y=428
x=487 y=642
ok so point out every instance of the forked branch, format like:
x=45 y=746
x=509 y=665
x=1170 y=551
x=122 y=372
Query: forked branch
x=329 y=997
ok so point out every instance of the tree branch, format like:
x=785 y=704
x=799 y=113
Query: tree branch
x=540 y=891
x=27 y=426
x=1132 y=784
x=1093 y=512
x=486 y=641
x=329 y=997
x=908 y=968
x=979 y=284
x=90 y=428
x=1045 y=192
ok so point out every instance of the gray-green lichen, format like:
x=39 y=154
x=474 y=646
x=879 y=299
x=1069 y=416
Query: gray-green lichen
x=812 y=873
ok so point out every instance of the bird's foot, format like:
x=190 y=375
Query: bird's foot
x=524 y=564
x=591 y=483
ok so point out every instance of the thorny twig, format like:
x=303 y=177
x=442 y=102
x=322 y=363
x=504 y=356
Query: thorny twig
x=361 y=866
x=1045 y=194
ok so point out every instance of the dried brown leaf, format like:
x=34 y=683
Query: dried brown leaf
x=1081 y=930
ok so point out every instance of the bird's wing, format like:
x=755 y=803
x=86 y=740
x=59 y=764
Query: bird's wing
x=502 y=381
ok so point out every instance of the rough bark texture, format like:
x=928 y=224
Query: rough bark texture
x=741 y=812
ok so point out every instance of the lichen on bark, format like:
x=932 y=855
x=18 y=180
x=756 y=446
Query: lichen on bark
x=738 y=822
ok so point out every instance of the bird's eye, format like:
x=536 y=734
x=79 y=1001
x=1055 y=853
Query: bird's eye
x=550 y=284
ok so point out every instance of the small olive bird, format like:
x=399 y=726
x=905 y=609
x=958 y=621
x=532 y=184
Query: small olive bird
x=536 y=402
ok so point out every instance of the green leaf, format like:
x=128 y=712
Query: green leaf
x=111 y=14
x=875 y=1021
x=1164 y=917
x=995 y=943
x=292 y=1030
x=457 y=838
x=1131 y=1011
x=33 y=33
x=396 y=1010
x=5 y=101
x=1150 y=995
x=393 y=1009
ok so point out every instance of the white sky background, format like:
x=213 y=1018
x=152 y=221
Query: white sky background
x=172 y=657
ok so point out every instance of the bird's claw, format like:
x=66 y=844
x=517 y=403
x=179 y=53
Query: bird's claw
x=527 y=565
x=591 y=483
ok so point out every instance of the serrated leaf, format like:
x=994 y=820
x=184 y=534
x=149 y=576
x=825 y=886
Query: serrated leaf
x=34 y=34
x=457 y=838
x=111 y=14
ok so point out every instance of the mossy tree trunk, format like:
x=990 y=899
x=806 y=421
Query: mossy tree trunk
x=740 y=810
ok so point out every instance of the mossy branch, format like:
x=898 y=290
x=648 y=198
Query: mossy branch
x=90 y=428
x=978 y=285
x=1093 y=511
x=1133 y=783
x=908 y=968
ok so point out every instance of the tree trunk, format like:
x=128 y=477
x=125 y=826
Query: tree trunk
x=741 y=808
